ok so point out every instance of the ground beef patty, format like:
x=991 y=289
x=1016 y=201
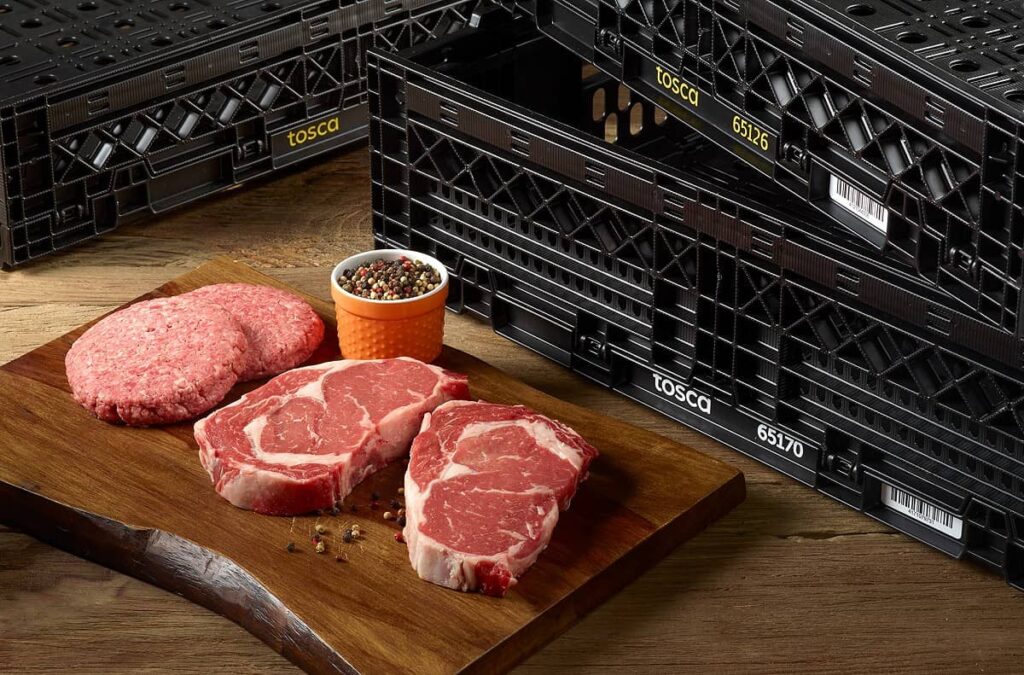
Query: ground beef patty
x=157 y=361
x=283 y=331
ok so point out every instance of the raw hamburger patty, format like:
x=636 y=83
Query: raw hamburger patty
x=283 y=330
x=483 y=492
x=302 y=441
x=157 y=361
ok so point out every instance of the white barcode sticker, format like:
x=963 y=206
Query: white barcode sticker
x=858 y=203
x=921 y=511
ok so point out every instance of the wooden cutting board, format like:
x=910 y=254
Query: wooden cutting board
x=138 y=501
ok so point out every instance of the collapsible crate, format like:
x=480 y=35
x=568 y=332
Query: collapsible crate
x=685 y=292
x=111 y=110
x=908 y=112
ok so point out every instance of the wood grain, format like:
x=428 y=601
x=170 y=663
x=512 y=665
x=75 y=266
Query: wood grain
x=788 y=582
x=138 y=501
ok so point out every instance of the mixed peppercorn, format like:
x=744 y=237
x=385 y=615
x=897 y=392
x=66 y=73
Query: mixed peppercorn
x=353 y=532
x=399 y=279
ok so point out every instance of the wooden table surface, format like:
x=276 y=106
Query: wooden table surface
x=790 y=581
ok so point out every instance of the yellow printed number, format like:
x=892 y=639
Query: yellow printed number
x=750 y=133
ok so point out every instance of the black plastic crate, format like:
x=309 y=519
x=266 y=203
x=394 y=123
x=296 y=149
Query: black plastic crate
x=914 y=107
x=112 y=110
x=686 y=293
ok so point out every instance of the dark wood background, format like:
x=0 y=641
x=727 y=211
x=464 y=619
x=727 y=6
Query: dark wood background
x=789 y=581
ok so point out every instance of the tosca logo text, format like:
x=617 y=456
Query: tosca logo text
x=677 y=87
x=683 y=394
x=321 y=129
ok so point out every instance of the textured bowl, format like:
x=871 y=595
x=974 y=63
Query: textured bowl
x=385 y=329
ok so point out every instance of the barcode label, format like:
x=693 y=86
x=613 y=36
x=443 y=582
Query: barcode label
x=859 y=204
x=922 y=511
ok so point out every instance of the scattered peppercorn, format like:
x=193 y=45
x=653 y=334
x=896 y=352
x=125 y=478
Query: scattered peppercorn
x=395 y=504
x=388 y=515
x=335 y=510
x=321 y=547
x=320 y=529
x=316 y=538
x=347 y=536
x=399 y=538
x=401 y=521
x=290 y=547
x=401 y=490
x=401 y=512
x=398 y=279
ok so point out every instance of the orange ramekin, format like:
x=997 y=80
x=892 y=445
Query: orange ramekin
x=386 y=329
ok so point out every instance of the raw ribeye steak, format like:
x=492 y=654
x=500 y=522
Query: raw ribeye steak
x=483 y=492
x=302 y=441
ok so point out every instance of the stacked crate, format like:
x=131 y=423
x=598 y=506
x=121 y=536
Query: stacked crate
x=793 y=226
x=110 y=110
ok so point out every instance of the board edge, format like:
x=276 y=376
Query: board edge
x=159 y=558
